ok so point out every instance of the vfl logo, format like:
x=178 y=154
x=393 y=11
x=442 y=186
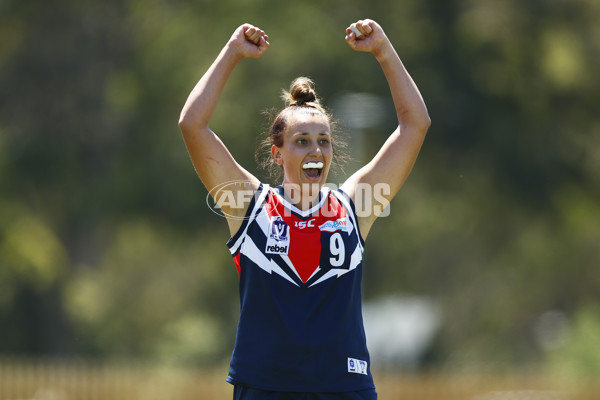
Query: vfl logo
x=339 y=225
x=279 y=229
x=278 y=241
x=357 y=366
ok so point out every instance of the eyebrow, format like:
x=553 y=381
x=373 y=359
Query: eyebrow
x=306 y=134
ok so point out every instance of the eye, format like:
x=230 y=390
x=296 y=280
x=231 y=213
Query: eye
x=302 y=141
x=324 y=141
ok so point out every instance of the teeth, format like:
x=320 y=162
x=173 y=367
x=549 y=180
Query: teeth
x=308 y=165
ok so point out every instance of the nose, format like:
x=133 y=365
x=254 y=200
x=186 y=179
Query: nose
x=315 y=148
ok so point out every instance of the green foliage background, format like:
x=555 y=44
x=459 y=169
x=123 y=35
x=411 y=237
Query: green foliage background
x=108 y=249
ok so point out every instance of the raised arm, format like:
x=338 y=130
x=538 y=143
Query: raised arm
x=212 y=161
x=390 y=167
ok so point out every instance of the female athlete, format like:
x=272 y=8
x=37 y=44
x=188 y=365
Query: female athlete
x=298 y=246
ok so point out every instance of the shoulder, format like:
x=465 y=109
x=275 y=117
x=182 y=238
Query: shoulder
x=243 y=197
x=355 y=216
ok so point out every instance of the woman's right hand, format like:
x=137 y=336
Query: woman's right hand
x=249 y=41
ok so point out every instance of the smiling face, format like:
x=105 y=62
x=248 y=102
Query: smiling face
x=306 y=152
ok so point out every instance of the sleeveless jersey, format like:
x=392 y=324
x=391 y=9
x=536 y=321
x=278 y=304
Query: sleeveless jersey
x=300 y=326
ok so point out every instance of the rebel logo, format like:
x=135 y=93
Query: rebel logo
x=275 y=249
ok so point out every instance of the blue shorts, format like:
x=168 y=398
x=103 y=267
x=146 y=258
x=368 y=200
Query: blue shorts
x=246 y=393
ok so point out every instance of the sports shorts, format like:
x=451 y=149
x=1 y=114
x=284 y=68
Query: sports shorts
x=245 y=393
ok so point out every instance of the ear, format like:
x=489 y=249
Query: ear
x=276 y=153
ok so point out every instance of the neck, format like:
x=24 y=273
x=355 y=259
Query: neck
x=302 y=196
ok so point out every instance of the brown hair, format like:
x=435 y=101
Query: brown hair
x=301 y=97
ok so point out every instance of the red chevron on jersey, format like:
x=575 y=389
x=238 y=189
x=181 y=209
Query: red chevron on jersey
x=305 y=239
x=304 y=247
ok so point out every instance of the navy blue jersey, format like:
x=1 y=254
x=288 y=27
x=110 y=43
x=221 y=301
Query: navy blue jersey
x=300 y=326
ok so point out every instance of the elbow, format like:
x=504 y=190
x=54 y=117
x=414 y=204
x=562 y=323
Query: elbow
x=190 y=121
x=187 y=124
x=425 y=123
x=184 y=123
x=419 y=125
x=417 y=119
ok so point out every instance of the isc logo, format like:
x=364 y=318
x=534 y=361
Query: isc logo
x=305 y=224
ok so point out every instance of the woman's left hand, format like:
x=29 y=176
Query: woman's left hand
x=372 y=38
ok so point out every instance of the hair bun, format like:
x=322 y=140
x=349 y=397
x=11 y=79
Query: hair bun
x=301 y=92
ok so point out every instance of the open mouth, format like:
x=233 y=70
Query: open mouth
x=313 y=169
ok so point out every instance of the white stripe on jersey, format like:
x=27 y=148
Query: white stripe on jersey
x=287 y=260
x=259 y=202
x=258 y=258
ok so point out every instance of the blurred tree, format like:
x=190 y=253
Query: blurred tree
x=107 y=246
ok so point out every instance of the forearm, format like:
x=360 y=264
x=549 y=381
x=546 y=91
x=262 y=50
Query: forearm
x=203 y=99
x=409 y=104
